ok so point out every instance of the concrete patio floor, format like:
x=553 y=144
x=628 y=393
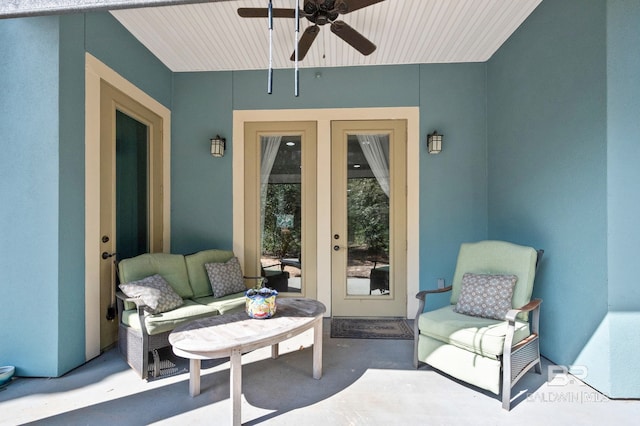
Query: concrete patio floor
x=365 y=382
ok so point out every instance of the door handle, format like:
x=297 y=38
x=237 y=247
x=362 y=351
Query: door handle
x=336 y=247
x=106 y=255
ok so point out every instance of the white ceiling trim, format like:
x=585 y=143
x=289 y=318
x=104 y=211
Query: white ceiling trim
x=212 y=37
x=22 y=8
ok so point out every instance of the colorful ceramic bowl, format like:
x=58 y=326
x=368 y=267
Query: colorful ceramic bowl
x=262 y=304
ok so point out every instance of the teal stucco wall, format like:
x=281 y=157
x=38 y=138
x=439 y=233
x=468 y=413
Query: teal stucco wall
x=42 y=178
x=547 y=161
x=29 y=175
x=623 y=175
x=562 y=140
x=71 y=341
x=201 y=186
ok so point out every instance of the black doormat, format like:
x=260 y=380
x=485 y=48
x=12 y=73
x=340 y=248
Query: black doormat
x=371 y=328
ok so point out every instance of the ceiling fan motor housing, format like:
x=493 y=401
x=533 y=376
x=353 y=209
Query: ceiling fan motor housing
x=323 y=12
x=319 y=13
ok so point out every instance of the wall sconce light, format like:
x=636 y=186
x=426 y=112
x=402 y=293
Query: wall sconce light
x=218 y=145
x=434 y=143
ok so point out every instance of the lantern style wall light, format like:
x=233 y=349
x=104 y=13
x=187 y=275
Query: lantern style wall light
x=218 y=145
x=434 y=143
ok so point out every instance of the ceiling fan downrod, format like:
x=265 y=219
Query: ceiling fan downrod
x=296 y=89
x=270 y=75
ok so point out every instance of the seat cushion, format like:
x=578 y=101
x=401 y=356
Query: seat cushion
x=497 y=257
x=166 y=321
x=467 y=366
x=170 y=266
x=482 y=336
x=229 y=303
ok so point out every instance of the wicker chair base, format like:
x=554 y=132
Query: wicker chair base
x=136 y=348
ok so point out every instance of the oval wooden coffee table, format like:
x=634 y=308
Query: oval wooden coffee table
x=231 y=335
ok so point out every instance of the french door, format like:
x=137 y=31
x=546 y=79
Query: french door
x=280 y=205
x=362 y=267
x=368 y=218
x=131 y=174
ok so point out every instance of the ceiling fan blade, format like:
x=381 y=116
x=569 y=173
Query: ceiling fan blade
x=348 y=6
x=305 y=42
x=256 y=12
x=353 y=37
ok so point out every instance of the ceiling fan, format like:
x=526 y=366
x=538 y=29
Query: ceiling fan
x=319 y=13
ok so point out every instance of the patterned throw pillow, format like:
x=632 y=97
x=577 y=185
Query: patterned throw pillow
x=486 y=296
x=155 y=292
x=225 y=278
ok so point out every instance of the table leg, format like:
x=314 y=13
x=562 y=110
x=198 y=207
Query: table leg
x=194 y=377
x=235 y=386
x=317 y=349
x=275 y=351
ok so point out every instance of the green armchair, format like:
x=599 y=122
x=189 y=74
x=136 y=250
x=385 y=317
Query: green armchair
x=485 y=336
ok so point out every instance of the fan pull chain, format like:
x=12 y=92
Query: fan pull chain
x=324 y=48
x=296 y=89
x=270 y=76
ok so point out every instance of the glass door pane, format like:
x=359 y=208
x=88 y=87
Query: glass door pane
x=280 y=212
x=132 y=185
x=368 y=215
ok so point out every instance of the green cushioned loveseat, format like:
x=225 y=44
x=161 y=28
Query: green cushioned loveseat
x=140 y=332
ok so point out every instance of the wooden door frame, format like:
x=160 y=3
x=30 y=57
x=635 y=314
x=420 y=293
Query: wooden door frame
x=323 y=117
x=95 y=72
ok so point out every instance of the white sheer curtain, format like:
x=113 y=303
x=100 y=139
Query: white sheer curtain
x=269 y=148
x=377 y=157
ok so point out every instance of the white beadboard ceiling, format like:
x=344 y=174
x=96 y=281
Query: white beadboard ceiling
x=212 y=37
